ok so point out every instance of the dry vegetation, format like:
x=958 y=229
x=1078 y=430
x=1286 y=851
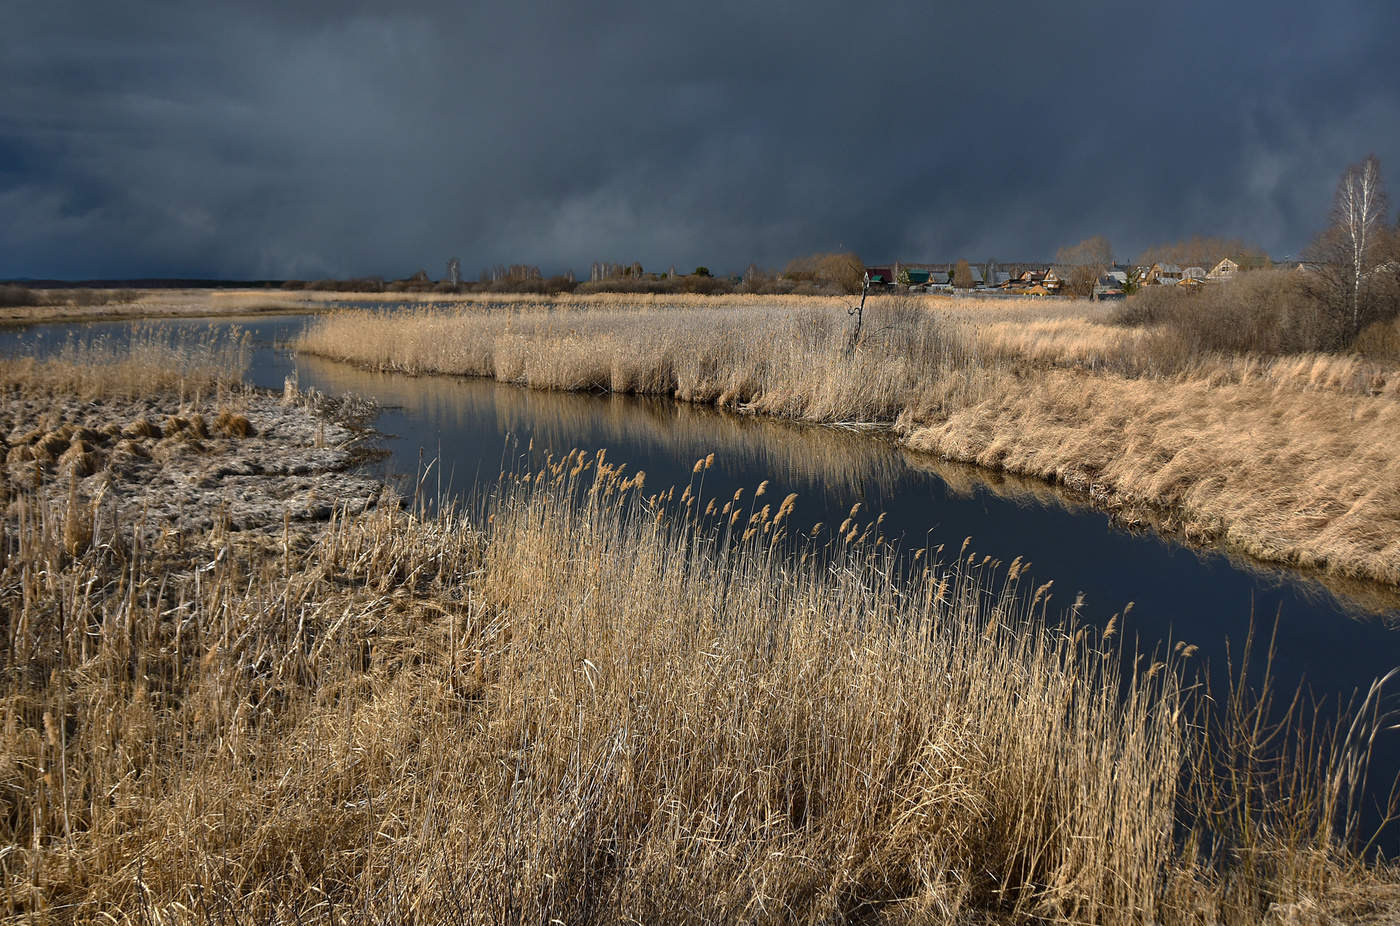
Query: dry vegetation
x=586 y=704
x=583 y=703
x=145 y=360
x=101 y=305
x=1291 y=457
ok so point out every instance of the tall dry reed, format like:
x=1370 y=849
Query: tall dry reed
x=1288 y=459
x=584 y=702
x=143 y=360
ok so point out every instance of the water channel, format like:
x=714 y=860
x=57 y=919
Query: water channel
x=1333 y=639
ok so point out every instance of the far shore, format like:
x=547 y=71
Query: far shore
x=1288 y=460
x=140 y=304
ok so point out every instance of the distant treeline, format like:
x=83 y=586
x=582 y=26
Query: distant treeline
x=14 y=295
x=144 y=283
x=816 y=274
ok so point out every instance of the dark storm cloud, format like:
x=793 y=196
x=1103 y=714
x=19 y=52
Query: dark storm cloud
x=275 y=139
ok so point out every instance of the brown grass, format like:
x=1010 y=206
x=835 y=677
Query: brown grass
x=1289 y=458
x=147 y=361
x=584 y=703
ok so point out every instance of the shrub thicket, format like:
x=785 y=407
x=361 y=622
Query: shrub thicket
x=13 y=295
x=1266 y=312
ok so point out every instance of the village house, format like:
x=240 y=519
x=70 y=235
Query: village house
x=1163 y=274
x=1224 y=270
x=1109 y=286
x=879 y=277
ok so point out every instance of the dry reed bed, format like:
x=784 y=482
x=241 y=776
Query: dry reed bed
x=147 y=360
x=583 y=703
x=1292 y=460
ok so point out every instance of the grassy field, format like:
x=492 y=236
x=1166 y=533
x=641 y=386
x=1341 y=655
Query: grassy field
x=1290 y=458
x=57 y=305
x=583 y=699
x=586 y=703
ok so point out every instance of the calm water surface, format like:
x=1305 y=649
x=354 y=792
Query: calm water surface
x=1333 y=641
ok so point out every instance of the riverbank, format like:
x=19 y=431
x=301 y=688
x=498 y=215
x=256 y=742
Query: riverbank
x=586 y=699
x=157 y=467
x=1291 y=460
x=155 y=304
x=86 y=305
x=591 y=702
x=157 y=438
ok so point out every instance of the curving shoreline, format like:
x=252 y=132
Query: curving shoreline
x=1276 y=461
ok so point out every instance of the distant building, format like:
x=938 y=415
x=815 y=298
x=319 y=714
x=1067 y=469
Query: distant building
x=1224 y=270
x=1163 y=274
x=1109 y=286
x=880 y=276
x=1193 y=273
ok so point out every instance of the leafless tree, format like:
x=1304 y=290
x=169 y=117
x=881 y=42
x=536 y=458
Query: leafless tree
x=1347 y=259
x=1086 y=261
x=454 y=271
x=1205 y=252
x=962 y=275
x=1358 y=211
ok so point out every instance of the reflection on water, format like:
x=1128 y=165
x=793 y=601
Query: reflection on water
x=475 y=427
x=826 y=460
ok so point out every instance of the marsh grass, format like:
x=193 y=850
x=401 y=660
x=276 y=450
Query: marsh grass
x=145 y=360
x=1286 y=458
x=584 y=701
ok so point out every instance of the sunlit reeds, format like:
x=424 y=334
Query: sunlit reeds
x=144 y=360
x=590 y=700
x=1288 y=459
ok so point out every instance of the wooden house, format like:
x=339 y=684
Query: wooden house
x=1164 y=274
x=1224 y=270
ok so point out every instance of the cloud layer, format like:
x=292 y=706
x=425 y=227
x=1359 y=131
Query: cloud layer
x=252 y=140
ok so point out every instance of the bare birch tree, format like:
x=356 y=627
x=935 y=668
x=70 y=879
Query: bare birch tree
x=1358 y=215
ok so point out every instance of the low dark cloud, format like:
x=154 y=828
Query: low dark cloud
x=267 y=139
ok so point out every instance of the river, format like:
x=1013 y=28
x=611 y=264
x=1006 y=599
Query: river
x=1332 y=638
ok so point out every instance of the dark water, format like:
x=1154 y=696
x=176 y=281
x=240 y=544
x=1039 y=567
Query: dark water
x=1334 y=640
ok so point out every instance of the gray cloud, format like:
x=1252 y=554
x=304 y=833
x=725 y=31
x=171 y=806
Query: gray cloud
x=270 y=139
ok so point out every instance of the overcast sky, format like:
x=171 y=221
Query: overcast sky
x=334 y=138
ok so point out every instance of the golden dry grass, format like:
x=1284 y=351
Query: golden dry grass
x=145 y=361
x=1300 y=476
x=587 y=704
x=1290 y=459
